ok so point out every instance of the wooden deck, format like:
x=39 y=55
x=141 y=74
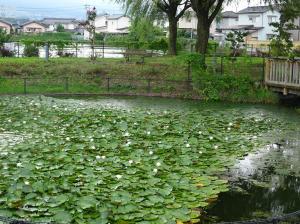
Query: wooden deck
x=283 y=75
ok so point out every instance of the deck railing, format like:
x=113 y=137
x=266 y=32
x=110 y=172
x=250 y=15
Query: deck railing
x=283 y=72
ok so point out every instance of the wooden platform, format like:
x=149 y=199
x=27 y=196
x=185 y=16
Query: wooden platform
x=283 y=75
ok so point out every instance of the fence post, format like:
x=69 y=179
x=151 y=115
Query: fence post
x=189 y=70
x=47 y=51
x=18 y=46
x=263 y=73
x=76 y=48
x=25 y=85
x=67 y=84
x=108 y=84
x=149 y=86
x=222 y=65
x=103 y=45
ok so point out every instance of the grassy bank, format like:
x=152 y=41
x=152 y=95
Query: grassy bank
x=225 y=79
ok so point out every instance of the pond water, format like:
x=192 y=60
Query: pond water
x=264 y=184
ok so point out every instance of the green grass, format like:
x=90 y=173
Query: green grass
x=85 y=76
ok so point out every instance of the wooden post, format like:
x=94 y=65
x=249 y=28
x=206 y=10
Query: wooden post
x=67 y=84
x=268 y=63
x=103 y=45
x=25 y=85
x=149 y=86
x=108 y=84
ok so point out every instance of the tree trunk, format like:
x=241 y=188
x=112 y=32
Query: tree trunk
x=172 y=36
x=203 y=28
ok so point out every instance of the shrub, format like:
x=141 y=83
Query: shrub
x=230 y=88
x=6 y=53
x=159 y=45
x=31 y=51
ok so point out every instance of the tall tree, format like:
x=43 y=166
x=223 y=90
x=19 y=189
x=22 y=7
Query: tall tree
x=172 y=9
x=206 y=12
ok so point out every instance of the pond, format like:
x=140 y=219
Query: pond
x=167 y=145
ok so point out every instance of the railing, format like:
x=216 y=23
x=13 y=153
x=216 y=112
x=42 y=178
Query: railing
x=282 y=72
x=95 y=85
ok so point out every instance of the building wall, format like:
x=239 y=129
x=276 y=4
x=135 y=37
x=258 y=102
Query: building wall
x=295 y=34
x=191 y=24
x=114 y=25
x=227 y=22
x=5 y=27
x=33 y=28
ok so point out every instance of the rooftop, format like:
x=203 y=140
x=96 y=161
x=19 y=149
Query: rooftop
x=255 y=9
x=229 y=14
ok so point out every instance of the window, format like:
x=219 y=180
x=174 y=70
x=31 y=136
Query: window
x=272 y=19
x=253 y=18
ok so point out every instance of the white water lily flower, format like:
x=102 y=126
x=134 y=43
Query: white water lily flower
x=200 y=132
x=148 y=133
x=158 y=164
x=230 y=124
x=216 y=147
x=211 y=138
x=229 y=129
x=130 y=162
x=187 y=145
x=19 y=164
x=151 y=153
x=35 y=118
x=98 y=157
x=24 y=122
x=226 y=139
x=200 y=152
x=68 y=138
x=155 y=170
x=128 y=143
x=9 y=120
x=135 y=123
x=103 y=136
x=103 y=157
x=118 y=177
x=26 y=183
x=254 y=137
x=93 y=147
x=126 y=134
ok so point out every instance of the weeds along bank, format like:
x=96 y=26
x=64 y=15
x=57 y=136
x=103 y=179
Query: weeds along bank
x=225 y=79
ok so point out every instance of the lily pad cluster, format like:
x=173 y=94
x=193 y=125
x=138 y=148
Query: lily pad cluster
x=80 y=164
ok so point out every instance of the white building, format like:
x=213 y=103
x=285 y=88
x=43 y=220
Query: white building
x=189 y=23
x=69 y=24
x=112 y=24
x=254 y=20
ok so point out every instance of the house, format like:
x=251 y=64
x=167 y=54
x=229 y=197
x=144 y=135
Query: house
x=69 y=24
x=189 y=23
x=6 y=26
x=112 y=24
x=295 y=33
x=34 y=27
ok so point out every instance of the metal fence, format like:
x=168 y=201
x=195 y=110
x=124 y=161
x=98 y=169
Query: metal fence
x=95 y=85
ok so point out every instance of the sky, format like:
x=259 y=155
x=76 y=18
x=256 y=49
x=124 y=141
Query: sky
x=37 y=9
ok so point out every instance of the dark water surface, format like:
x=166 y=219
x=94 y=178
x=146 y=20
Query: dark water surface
x=264 y=184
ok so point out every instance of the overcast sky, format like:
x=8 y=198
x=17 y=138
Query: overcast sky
x=74 y=8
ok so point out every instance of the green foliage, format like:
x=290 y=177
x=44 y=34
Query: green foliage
x=78 y=162
x=281 y=44
x=159 y=45
x=242 y=88
x=31 y=50
x=237 y=40
x=4 y=37
x=143 y=31
x=60 y=28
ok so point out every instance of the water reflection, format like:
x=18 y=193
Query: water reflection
x=264 y=184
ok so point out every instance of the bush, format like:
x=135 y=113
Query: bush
x=6 y=53
x=230 y=88
x=31 y=51
x=159 y=45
